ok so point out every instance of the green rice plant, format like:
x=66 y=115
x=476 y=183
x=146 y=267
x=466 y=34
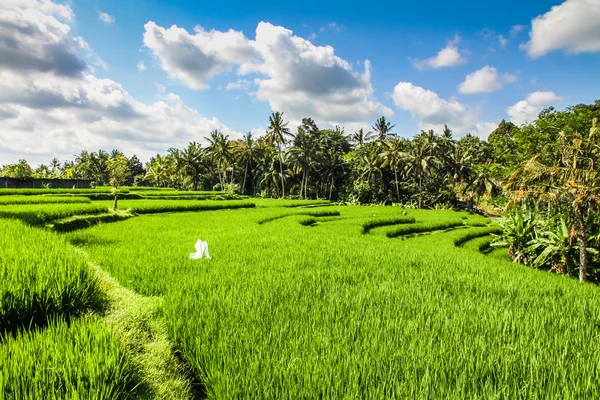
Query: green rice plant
x=80 y=360
x=155 y=206
x=40 y=214
x=312 y=213
x=376 y=223
x=85 y=221
x=471 y=234
x=40 y=277
x=9 y=200
x=282 y=311
x=411 y=229
x=35 y=192
x=178 y=193
x=307 y=221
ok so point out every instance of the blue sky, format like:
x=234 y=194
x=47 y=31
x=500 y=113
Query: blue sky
x=469 y=64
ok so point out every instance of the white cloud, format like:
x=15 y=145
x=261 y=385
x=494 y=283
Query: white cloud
x=291 y=73
x=449 y=56
x=527 y=110
x=240 y=84
x=141 y=66
x=106 y=18
x=516 y=29
x=502 y=41
x=484 y=80
x=573 y=26
x=48 y=110
x=432 y=112
x=195 y=58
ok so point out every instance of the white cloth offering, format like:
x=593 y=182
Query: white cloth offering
x=201 y=250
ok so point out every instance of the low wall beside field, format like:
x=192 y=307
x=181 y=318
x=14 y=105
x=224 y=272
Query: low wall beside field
x=12 y=183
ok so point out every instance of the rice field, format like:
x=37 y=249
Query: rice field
x=306 y=299
x=40 y=278
x=284 y=310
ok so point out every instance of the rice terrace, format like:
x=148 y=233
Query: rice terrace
x=366 y=238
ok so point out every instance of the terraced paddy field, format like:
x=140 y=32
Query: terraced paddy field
x=309 y=300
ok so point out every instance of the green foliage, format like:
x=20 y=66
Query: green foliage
x=40 y=277
x=308 y=212
x=81 y=359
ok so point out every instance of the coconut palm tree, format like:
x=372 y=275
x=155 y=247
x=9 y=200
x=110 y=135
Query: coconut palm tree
x=360 y=137
x=248 y=152
x=383 y=128
x=277 y=136
x=394 y=155
x=220 y=152
x=193 y=157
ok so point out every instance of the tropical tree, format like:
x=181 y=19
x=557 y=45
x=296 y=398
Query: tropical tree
x=382 y=128
x=248 y=152
x=360 y=137
x=219 y=150
x=573 y=180
x=193 y=158
x=118 y=171
x=394 y=154
x=277 y=135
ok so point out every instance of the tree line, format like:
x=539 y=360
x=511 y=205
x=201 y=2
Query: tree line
x=545 y=171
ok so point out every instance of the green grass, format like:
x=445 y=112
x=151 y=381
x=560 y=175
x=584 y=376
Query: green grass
x=423 y=227
x=40 y=277
x=162 y=206
x=307 y=212
x=283 y=310
x=476 y=233
x=85 y=221
x=377 y=223
x=40 y=214
x=80 y=360
x=9 y=200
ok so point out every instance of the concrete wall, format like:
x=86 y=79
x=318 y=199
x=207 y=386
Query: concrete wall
x=11 y=183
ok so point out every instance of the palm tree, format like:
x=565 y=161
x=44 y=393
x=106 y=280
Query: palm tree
x=193 y=157
x=220 y=152
x=249 y=152
x=574 y=180
x=359 y=138
x=276 y=136
x=393 y=155
x=383 y=128
x=420 y=164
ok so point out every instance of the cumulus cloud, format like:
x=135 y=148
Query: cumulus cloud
x=106 y=18
x=527 y=110
x=141 y=66
x=432 y=112
x=449 y=56
x=572 y=26
x=195 y=58
x=49 y=110
x=484 y=80
x=33 y=38
x=290 y=72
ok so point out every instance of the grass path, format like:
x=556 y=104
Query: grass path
x=134 y=320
